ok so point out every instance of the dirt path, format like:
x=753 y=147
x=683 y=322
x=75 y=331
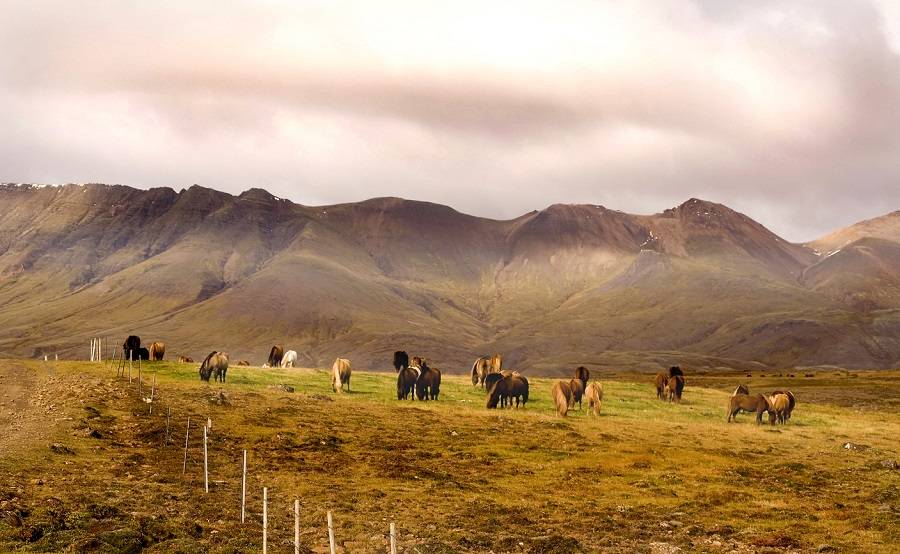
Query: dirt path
x=18 y=415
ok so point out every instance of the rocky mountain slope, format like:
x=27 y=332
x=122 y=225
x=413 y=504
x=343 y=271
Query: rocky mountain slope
x=200 y=269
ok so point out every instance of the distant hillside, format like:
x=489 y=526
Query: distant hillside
x=199 y=269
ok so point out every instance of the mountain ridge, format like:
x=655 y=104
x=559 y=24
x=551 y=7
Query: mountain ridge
x=204 y=269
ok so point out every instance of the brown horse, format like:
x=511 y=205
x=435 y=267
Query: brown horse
x=243 y=363
x=275 y=356
x=674 y=388
x=594 y=395
x=512 y=386
x=779 y=406
x=741 y=389
x=428 y=385
x=491 y=379
x=583 y=374
x=745 y=403
x=406 y=383
x=562 y=397
x=157 y=351
x=340 y=374
x=661 y=379
x=792 y=401
x=215 y=363
x=485 y=366
x=185 y=360
x=577 y=387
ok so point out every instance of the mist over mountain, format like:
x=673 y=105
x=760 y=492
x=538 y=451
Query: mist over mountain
x=698 y=284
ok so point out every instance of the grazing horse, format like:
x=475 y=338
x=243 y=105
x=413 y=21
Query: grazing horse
x=185 y=360
x=406 y=383
x=340 y=374
x=674 y=388
x=157 y=351
x=745 y=403
x=289 y=359
x=741 y=389
x=491 y=379
x=661 y=379
x=401 y=360
x=215 y=363
x=779 y=407
x=503 y=391
x=791 y=403
x=130 y=346
x=243 y=363
x=562 y=397
x=577 y=386
x=141 y=354
x=594 y=395
x=583 y=374
x=275 y=356
x=428 y=384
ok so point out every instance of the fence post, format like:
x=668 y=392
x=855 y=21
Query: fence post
x=186 y=435
x=330 y=533
x=393 y=539
x=296 y=526
x=265 y=518
x=130 y=363
x=205 y=464
x=244 y=487
x=152 y=392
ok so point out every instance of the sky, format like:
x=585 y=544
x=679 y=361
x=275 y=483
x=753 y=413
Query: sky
x=786 y=111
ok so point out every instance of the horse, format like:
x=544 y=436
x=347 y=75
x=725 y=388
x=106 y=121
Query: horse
x=340 y=374
x=275 y=356
x=491 y=379
x=401 y=360
x=480 y=369
x=583 y=374
x=243 y=363
x=215 y=363
x=594 y=395
x=289 y=359
x=661 y=379
x=791 y=403
x=779 y=407
x=562 y=396
x=675 y=370
x=674 y=388
x=428 y=384
x=511 y=386
x=157 y=351
x=130 y=346
x=406 y=383
x=741 y=389
x=577 y=386
x=745 y=403
x=141 y=354
x=185 y=360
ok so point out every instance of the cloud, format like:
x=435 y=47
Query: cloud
x=784 y=110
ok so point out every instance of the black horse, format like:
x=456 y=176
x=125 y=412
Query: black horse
x=401 y=360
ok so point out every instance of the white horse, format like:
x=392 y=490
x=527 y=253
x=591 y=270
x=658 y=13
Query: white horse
x=340 y=374
x=289 y=359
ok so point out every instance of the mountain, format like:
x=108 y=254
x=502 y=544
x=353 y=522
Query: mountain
x=698 y=284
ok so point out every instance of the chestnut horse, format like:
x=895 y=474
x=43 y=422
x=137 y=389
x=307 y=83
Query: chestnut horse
x=562 y=397
x=594 y=395
x=745 y=403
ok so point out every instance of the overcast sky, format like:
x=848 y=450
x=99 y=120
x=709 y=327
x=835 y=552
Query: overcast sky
x=786 y=111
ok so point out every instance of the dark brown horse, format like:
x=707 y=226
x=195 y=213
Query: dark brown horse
x=512 y=386
x=130 y=347
x=428 y=385
x=491 y=379
x=406 y=383
x=674 y=388
x=582 y=374
x=577 y=387
x=275 y=356
x=757 y=404
x=401 y=360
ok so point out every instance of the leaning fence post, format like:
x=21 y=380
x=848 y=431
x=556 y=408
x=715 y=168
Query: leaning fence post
x=296 y=526
x=393 y=539
x=265 y=518
x=205 y=465
x=152 y=391
x=186 y=435
x=244 y=487
x=330 y=533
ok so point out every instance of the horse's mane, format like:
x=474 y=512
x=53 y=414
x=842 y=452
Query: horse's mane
x=206 y=360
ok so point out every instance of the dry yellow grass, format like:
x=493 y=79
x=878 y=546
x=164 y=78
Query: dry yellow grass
x=454 y=477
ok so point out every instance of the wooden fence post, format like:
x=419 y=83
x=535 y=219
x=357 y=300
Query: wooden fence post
x=296 y=526
x=152 y=392
x=265 y=518
x=205 y=464
x=244 y=487
x=330 y=533
x=393 y=539
x=186 y=435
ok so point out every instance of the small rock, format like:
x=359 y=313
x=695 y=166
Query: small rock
x=282 y=387
x=890 y=464
x=675 y=523
x=854 y=446
x=60 y=448
x=826 y=548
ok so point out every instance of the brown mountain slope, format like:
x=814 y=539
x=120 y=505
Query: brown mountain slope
x=202 y=269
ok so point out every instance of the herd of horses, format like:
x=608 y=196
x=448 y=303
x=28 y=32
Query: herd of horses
x=504 y=387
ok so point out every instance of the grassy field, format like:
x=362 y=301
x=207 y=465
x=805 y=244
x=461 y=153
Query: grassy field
x=84 y=466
